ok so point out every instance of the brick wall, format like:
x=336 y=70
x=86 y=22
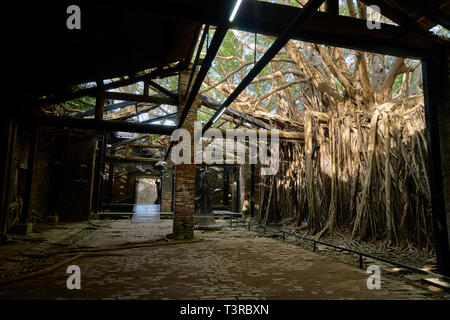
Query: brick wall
x=41 y=187
x=77 y=184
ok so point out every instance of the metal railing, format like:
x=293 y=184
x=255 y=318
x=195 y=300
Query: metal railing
x=316 y=242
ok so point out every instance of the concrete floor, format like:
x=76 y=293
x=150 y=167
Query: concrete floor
x=226 y=264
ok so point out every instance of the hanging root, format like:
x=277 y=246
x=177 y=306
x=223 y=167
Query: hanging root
x=366 y=178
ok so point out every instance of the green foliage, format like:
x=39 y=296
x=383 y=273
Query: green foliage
x=397 y=83
x=79 y=105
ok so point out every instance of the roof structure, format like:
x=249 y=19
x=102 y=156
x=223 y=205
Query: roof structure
x=122 y=39
x=139 y=42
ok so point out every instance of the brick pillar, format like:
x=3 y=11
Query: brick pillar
x=183 y=218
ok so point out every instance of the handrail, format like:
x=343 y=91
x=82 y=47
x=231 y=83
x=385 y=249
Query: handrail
x=361 y=254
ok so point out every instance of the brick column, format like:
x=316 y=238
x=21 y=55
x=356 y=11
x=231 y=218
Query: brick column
x=183 y=218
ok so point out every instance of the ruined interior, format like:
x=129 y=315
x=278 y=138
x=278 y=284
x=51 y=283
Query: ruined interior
x=351 y=105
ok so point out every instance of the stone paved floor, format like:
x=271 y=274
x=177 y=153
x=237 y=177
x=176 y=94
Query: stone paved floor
x=227 y=264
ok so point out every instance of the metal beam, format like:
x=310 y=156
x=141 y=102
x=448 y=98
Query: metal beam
x=212 y=104
x=197 y=56
x=216 y=41
x=109 y=107
x=434 y=11
x=218 y=37
x=163 y=90
x=334 y=30
x=437 y=115
x=164 y=117
x=158 y=73
x=273 y=50
x=140 y=98
x=139 y=112
x=122 y=143
x=93 y=124
x=398 y=16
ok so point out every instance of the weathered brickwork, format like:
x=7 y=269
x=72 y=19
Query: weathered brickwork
x=183 y=227
x=183 y=223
